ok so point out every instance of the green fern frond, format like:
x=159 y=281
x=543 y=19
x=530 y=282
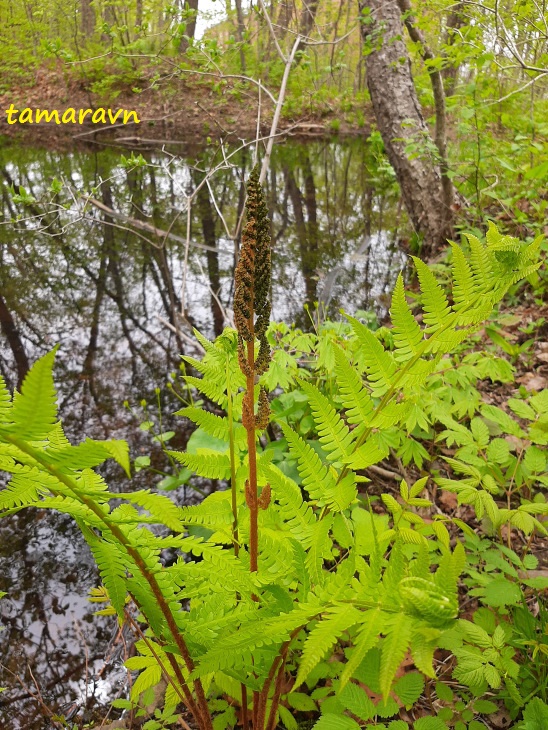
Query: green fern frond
x=484 y=281
x=424 y=642
x=464 y=290
x=88 y=454
x=113 y=565
x=57 y=439
x=21 y=491
x=341 y=494
x=372 y=623
x=73 y=507
x=323 y=636
x=216 y=426
x=369 y=453
x=320 y=549
x=433 y=300
x=34 y=410
x=333 y=433
x=214 y=390
x=224 y=567
x=5 y=403
x=235 y=650
x=355 y=398
x=379 y=364
x=315 y=476
x=406 y=331
x=92 y=484
x=301 y=571
x=160 y=507
x=275 y=556
x=297 y=514
x=213 y=512
x=119 y=451
x=206 y=463
x=147 y=604
x=398 y=630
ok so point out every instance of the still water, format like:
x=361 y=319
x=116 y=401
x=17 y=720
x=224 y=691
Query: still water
x=101 y=252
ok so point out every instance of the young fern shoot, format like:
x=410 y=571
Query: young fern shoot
x=252 y=316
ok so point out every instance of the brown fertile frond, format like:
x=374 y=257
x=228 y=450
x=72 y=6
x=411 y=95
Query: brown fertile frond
x=264 y=499
x=263 y=410
x=252 y=276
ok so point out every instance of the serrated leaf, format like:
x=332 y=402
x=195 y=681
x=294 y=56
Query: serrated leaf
x=34 y=410
x=394 y=648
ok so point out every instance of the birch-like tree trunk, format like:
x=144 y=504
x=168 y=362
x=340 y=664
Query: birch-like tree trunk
x=406 y=137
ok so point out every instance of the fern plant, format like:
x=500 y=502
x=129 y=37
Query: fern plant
x=280 y=571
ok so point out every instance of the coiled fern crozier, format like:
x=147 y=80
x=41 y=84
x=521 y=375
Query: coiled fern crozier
x=292 y=562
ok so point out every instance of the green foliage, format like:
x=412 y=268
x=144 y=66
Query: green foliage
x=334 y=576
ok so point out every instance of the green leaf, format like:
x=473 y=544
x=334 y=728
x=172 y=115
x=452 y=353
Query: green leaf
x=536 y=715
x=444 y=692
x=356 y=700
x=333 y=433
x=150 y=677
x=301 y=701
x=485 y=707
x=407 y=333
x=34 y=409
x=434 y=302
x=329 y=721
x=323 y=636
x=5 y=402
x=501 y=592
x=429 y=723
x=355 y=398
x=368 y=636
x=379 y=364
x=394 y=648
x=409 y=688
x=206 y=463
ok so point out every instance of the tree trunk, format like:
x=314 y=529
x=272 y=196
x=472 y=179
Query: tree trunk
x=401 y=124
x=240 y=30
x=205 y=211
x=190 y=25
x=13 y=336
x=87 y=17
x=139 y=13
x=455 y=21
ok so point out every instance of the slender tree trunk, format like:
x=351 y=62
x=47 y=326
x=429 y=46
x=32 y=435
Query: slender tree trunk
x=440 y=135
x=400 y=122
x=240 y=30
x=88 y=18
x=190 y=25
x=308 y=17
x=455 y=21
x=11 y=333
x=307 y=234
x=205 y=211
x=139 y=13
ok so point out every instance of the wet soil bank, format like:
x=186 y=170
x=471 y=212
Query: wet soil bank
x=185 y=110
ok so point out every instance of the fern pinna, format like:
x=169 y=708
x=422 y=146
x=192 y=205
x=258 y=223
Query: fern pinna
x=256 y=618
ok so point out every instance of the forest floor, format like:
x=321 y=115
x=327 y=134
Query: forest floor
x=187 y=110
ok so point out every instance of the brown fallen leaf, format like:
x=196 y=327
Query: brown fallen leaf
x=448 y=500
x=533 y=381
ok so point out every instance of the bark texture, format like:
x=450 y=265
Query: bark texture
x=190 y=25
x=87 y=18
x=400 y=121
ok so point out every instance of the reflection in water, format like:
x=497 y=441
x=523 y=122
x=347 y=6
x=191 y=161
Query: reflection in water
x=85 y=264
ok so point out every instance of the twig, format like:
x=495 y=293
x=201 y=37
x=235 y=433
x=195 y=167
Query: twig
x=278 y=111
